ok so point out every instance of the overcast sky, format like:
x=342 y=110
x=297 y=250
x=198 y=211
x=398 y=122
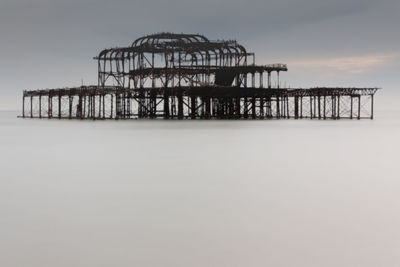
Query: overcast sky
x=51 y=43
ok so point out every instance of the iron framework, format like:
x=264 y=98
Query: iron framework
x=187 y=76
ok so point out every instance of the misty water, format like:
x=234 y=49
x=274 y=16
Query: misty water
x=200 y=193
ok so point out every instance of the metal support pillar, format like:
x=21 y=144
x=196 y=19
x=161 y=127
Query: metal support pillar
x=23 y=106
x=193 y=107
x=278 y=113
x=40 y=106
x=372 y=107
x=31 y=106
x=180 y=104
x=296 y=107
x=351 y=107
x=59 y=106
x=112 y=106
x=166 y=105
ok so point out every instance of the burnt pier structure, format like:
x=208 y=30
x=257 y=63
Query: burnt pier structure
x=187 y=76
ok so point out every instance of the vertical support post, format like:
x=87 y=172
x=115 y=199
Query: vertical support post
x=287 y=107
x=319 y=106
x=112 y=106
x=372 y=107
x=262 y=107
x=59 y=106
x=118 y=106
x=246 y=108
x=351 y=107
x=140 y=103
x=238 y=106
x=128 y=104
x=124 y=104
x=104 y=106
x=180 y=104
x=208 y=107
x=193 y=107
x=70 y=106
x=253 y=107
x=31 y=106
x=278 y=113
x=301 y=107
x=40 y=106
x=324 y=107
x=89 y=106
x=315 y=106
x=23 y=106
x=50 y=106
x=84 y=106
x=359 y=107
x=99 y=116
x=338 y=107
x=79 y=109
x=166 y=104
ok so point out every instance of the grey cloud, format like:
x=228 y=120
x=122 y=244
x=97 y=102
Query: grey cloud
x=49 y=36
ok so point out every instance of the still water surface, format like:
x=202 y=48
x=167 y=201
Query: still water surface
x=199 y=193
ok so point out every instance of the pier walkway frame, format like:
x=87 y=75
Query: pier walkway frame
x=92 y=102
x=188 y=76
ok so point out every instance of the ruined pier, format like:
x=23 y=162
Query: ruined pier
x=186 y=76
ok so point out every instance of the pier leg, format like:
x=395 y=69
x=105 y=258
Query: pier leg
x=166 y=105
x=59 y=106
x=84 y=106
x=238 y=106
x=40 y=106
x=112 y=106
x=278 y=112
x=351 y=107
x=315 y=107
x=301 y=107
x=372 y=107
x=49 y=106
x=23 y=106
x=193 y=107
x=287 y=107
x=31 y=106
x=246 y=108
x=253 y=107
x=319 y=107
x=70 y=98
x=180 y=104
x=104 y=107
